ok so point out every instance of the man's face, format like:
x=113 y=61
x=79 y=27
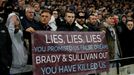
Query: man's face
x=21 y=3
x=69 y=17
x=55 y=14
x=45 y=18
x=110 y=20
x=130 y=25
x=30 y=14
x=124 y=19
x=2 y=3
x=81 y=18
x=116 y=19
x=92 y=19
x=37 y=7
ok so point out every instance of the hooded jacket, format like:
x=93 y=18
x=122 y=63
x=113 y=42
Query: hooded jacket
x=20 y=54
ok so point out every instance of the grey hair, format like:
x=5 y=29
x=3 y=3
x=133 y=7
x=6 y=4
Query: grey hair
x=29 y=7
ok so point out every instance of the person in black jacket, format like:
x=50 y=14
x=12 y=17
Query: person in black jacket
x=69 y=23
x=127 y=42
x=5 y=41
x=93 y=24
x=45 y=17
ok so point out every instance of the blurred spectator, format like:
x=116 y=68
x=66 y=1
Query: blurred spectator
x=129 y=13
x=69 y=23
x=45 y=18
x=37 y=10
x=81 y=21
x=19 y=52
x=21 y=4
x=55 y=13
x=116 y=19
x=121 y=25
x=92 y=23
x=29 y=26
x=5 y=44
x=52 y=23
x=112 y=39
x=57 y=17
x=28 y=22
x=21 y=8
x=127 y=41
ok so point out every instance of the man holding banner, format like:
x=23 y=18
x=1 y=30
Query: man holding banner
x=45 y=17
x=69 y=23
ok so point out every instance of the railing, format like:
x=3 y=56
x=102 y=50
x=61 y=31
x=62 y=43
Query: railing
x=119 y=61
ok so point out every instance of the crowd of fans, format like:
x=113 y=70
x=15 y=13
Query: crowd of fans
x=21 y=18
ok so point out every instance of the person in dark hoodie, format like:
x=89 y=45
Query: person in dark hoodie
x=5 y=44
x=127 y=43
x=81 y=21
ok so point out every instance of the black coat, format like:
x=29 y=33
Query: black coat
x=5 y=42
x=5 y=50
x=92 y=27
x=127 y=43
x=127 y=46
x=66 y=27
x=43 y=27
